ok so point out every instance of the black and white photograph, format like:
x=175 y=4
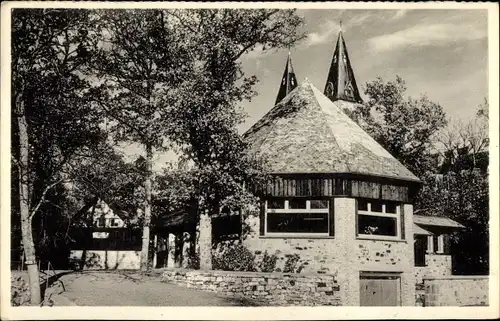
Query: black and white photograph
x=249 y=155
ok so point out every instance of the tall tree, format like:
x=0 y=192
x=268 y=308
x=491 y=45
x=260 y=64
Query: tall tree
x=206 y=119
x=51 y=119
x=460 y=192
x=142 y=59
x=404 y=126
x=102 y=173
x=462 y=196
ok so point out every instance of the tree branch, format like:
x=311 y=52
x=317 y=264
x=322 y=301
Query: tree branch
x=42 y=197
x=121 y=120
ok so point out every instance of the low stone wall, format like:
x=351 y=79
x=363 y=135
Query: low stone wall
x=456 y=291
x=272 y=288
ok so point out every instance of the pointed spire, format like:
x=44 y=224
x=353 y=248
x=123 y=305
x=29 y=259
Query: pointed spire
x=288 y=81
x=341 y=84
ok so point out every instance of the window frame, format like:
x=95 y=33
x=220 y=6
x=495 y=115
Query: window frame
x=307 y=210
x=384 y=213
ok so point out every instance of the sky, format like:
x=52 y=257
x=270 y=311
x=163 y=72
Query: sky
x=440 y=53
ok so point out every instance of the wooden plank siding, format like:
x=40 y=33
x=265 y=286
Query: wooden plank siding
x=329 y=186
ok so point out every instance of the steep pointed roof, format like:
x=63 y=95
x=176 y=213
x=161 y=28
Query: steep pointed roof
x=308 y=133
x=341 y=84
x=288 y=81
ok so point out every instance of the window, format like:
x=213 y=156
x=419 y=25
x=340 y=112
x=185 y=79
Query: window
x=440 y=242
x=430 y=244
x=297 y=216
x=101 y=222
x=435 y=244
x=420 y=247
x=378 y=219
x=113 y=222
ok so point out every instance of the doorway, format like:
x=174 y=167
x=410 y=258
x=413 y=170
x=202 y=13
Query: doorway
x=380 y=289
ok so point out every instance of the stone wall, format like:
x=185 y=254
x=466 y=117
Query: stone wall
x=437 y=265
x=456 y=291
x=344 y=255
x=94 y=259
x=281 y=289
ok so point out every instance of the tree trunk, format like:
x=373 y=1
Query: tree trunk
x=205 y=241
x=147 y=209
x=26 y=226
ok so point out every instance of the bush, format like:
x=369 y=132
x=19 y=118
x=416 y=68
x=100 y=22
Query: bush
x=291 y=264
x=268 y=263
x=233 y=258
x=193 y=261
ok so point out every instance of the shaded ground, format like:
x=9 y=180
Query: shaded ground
x=130 y=288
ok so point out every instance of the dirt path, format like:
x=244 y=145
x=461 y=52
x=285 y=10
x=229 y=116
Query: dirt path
x=133 y=289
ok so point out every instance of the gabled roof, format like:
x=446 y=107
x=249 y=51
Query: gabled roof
x=436 y=221
x=288 y=81
x=341 y=84
x=308 y=133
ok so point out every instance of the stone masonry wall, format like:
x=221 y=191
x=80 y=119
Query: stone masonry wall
x=437 y=265
x=369 y=252
x=317 y=255
x=272 y=288
x=344 y=255
x=456 y=291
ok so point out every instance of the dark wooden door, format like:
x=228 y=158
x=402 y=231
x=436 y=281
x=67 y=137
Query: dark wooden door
x=379 y=291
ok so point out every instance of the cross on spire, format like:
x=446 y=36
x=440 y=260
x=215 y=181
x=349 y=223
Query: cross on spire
x=288 y=81
x=341 y=84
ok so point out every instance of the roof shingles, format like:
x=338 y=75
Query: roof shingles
x=308 y=133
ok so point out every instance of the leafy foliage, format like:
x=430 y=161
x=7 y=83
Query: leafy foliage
x=233 y=258
x=52 y=119
x=403 y=126
x=103 y=174
x=142 y=59
x=206 y=117
x=52 y=91
x=267 y=262
x=292 y=264
x=461 y=192
x=463 y=197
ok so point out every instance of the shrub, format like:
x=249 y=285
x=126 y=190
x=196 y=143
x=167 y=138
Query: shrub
x=233 y=258
x=268 y=262
x=193 y=261
x=291 y=264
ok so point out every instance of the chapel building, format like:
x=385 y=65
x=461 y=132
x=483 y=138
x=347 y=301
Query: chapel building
x=337 y=198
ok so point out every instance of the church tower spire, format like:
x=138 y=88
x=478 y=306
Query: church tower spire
x=288 y=81
x=341 y=84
